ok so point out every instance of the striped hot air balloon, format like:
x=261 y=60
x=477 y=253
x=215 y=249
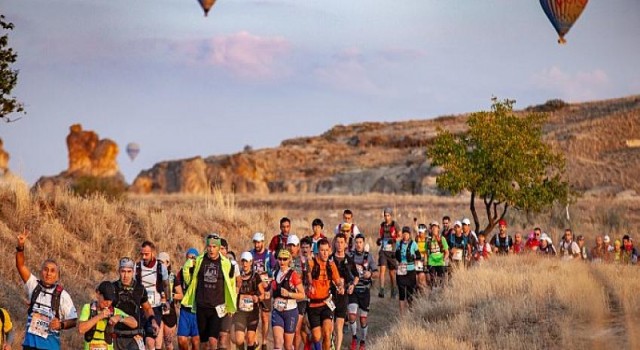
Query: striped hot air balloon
x=563 y=14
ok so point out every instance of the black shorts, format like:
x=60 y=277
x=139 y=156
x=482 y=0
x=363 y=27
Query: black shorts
x=387 y=259
x=406 y=285
x=246 y=320
x=302 y=307
x=265 y=305
x=209 y=324
x=318 y=314
x=342 y=302
x=157 y=315
x=362 y=297
x=227 y=321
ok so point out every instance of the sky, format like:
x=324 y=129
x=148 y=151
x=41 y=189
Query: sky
x=256 y=72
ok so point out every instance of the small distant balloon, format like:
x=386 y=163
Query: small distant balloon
x=132 y=150
x=563 y=14
x=206 y=5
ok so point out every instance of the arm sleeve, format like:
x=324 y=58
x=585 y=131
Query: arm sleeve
x=373 y=265
x=7 y=326
x=164 y=272
x=85 y=313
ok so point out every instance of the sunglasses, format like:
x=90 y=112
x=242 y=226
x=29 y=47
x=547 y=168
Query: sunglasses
x=283 y=259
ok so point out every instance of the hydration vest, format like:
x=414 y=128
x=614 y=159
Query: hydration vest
x=107 y=331
x=55 y=298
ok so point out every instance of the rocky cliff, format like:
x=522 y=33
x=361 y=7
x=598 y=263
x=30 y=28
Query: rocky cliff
x=89 y=156
x=4 y=159
x=390 y=157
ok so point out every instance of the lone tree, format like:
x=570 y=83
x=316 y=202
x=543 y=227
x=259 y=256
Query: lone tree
x=8 y=77
x=502 y=159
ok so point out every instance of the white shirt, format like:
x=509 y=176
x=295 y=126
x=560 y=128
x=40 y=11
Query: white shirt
x=43 y=302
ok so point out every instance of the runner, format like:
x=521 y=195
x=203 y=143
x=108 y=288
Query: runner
x=321 y=274
x=227 y=322
x=617 y=252
x=307 y=254
x=471 y=235
x=360 y=299
x=279 y=241
x=629 y=252
x=348 y=228
x=169 y=314
x=300 y=266
x=51 y=309
x=459 y=247
x=212 y=292
x=569 y=249
x=600 y=253
x=422 y=240
x=546 y=246
x=446 y=226
x=316 y=226
x=607 y=243
x=250 y=293
x=155 y=279
x=287 y=289
x=263 y=263
x=98 y=318
x=132 y=299
x=389 y=233
x=583 y=248
x=482 y=250
x=438 y=251
x=6 y=330
x=502 y=242
x=187 y=322
x=534 y=239
x=518 y=244
x=406 y=254
x=349 y=278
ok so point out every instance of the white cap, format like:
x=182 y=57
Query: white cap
x=466 y=221
x=545 y=237
x=293 y=239
x=458 y=223
x=164 y=257
x=606 y=239
x=246 y=256
x=258 y=236
x=435 y=223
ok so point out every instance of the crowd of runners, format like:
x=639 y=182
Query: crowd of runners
x=303 y=293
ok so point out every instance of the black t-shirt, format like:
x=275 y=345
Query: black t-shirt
x=210 y=289
x=129 y=300
x=250 y=284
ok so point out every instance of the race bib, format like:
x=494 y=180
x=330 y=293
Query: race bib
x=280 y=304
x=39 y=325
x=419 y=265
x=360 y=269
x=98 y=346
x=221 y=310
x=402 y=270
x=140 y=342
x=151 y=295
x=246 y=303
x=388 y=247
x=330 y=303
x=457 y=254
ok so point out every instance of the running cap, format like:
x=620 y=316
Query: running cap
x=213 y=238
x=258 y=237
x=293 y=239
x=457 y=223
x=345 y=227
x=435 y=223
x=387 y=210
x=192 y=251
x=606 y=239
x=406 y=229
x=127 y=263
x=246 y=256
x=359 y=235
x=284 y=254
x=164 y=257
x=107 y=290
x=422 y=228
x=502 y=222
x=466 y=221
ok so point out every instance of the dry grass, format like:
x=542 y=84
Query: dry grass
x=88 y=236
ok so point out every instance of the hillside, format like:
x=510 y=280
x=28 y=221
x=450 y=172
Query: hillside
x=601 y=141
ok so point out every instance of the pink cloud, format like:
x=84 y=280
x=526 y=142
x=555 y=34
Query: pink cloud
x=243 y=54
x=347 y=71
x=575 y=87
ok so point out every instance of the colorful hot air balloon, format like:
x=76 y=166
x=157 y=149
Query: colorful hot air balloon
x=206 y=5
x=562 y=14
x=132 y=150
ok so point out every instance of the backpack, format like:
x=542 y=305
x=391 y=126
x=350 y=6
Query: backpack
x=463 y=245
x=410 y=257
x=280 y=244
x=286 y=281
x=315 y=272
x=246 y=288
x=159 y=284
x=344 y=265
x=107 y=331
x=507 y=241
x=55 y=299
x=440 y=246
x=392 y=230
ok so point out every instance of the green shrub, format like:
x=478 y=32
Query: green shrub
x=111 y=187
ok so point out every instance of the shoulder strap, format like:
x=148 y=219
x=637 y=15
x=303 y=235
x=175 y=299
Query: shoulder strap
x=2 y=319
x=139 y=271
x=159 y=282
x=34 y=297
x=315 y=271
x=329 y=271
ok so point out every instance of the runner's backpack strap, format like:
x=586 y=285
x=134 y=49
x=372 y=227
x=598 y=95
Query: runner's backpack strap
x=55 y=298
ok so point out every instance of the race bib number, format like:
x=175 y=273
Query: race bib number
x=280 y=304
x=388 y=247
x=246 y=303
x=402 y=270
x=39 y=325
x=457 y=254
x=151 y=295
x=98 y=346
x=360 y=269
x=419 y=265
x=221 y=310
x=330 y=304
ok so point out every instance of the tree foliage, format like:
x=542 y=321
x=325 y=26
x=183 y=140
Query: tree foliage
x=8 y=76
x=502 y=159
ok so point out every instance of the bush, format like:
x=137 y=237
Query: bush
x=111 y=187
x=549 y=106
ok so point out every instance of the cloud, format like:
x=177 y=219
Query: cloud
x=242 y=54
x=578 y=86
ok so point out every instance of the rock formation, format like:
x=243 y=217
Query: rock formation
x=4 y=159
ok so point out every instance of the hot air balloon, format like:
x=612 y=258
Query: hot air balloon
x=206 y=5
x=563 y=14
x=132 y=150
